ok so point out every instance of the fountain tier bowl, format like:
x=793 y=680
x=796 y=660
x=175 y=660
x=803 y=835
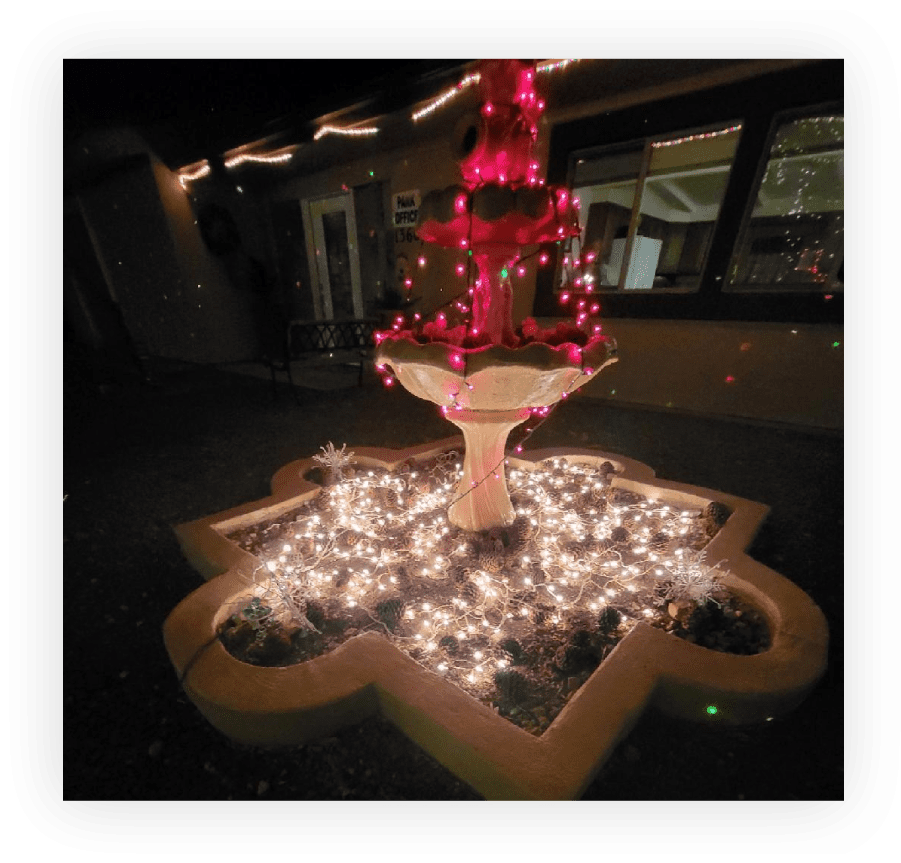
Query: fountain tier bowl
x=494 y=378
x=486 y=393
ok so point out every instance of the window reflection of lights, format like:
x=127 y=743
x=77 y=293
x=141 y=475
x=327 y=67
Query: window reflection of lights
x=795 y=237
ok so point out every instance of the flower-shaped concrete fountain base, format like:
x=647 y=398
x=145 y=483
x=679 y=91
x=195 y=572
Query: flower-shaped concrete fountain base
x=367 y=674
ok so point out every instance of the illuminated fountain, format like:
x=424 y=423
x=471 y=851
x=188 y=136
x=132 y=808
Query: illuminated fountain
x=486 y=377
x=588 y=535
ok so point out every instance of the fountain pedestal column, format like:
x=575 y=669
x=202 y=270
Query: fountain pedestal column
x=483 y=500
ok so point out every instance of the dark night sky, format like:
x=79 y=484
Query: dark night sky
x=188 y=108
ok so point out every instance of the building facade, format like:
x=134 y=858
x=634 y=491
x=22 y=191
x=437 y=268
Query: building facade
x=711 y=200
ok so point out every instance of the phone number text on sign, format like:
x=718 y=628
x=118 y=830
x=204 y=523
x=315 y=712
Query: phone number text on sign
x=405 y=235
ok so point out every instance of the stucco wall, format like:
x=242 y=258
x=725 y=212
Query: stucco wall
x=213 y=318
x=792 y=373
x=176 y=298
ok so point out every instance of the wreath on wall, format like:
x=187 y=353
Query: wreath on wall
x=218 y=229
x=221 y=236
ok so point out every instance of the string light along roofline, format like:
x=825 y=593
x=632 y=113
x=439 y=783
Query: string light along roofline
x=473 y=78
x=467 y=81
x=259 y=158
x=446 y=96
x=349 y=131
x=188 y=174
x=699 y=137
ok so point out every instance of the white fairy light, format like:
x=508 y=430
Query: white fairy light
x=342 y=548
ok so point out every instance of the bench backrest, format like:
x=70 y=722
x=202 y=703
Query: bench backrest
x=309 y=336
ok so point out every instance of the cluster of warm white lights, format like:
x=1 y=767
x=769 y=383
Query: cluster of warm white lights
x=575 y=547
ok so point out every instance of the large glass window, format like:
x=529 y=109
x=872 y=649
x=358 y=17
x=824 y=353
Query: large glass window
x=794 y=236
x=647 y=211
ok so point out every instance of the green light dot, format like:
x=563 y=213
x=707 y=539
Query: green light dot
x=504 y=273
x=836 y=344
x=372 y=173
x=711 y=709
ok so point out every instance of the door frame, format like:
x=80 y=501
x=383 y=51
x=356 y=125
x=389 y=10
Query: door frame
x=312 y=210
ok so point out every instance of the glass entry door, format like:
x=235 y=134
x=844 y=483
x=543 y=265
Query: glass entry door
x=333 y=257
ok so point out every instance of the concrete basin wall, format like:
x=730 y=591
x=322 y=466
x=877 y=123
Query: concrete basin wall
x=367 y=674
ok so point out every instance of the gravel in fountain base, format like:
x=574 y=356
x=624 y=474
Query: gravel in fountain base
x=529 y=655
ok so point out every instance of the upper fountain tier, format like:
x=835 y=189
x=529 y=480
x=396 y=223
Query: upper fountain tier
x=501 y=200
x=497 y=215
x=495 y=145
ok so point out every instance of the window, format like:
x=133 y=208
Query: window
x=793 y=238
x=653 y=204
x=714 y=222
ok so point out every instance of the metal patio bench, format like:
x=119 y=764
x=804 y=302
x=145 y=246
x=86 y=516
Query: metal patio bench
x=345 y=343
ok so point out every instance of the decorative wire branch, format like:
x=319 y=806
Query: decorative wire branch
x=692 y=579
x=335 y=460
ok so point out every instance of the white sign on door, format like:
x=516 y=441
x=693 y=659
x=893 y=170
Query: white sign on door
x=405 y=208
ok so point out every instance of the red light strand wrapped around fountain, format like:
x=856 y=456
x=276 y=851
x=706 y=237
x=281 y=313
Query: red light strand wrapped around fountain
x=486 y=377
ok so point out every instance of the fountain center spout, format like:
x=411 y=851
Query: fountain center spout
x=492 y=307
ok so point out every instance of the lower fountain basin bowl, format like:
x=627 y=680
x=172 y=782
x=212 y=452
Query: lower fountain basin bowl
x=494 y=378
